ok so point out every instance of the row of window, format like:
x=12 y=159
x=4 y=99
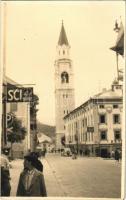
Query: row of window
x=89 y=136
x=103 y=119
x=63 y=52
x=117 y=135
x=114 y=106
x=65 y=95
x=85 y=122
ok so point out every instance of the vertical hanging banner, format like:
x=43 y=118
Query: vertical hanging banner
x=16 y=94
x=9 y=119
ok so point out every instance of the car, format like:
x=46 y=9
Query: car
x=66 y=152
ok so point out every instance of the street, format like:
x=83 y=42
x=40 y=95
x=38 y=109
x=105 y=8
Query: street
x=83 y=177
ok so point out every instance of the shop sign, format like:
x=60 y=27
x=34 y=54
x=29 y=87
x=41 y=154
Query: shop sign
x=17 y=94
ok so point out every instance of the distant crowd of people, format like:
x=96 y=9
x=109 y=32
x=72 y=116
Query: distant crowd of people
x=114 y=154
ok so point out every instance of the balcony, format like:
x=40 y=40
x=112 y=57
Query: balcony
x=117 y=126
x=104 y=141
x=103 y=126
x=101 y=111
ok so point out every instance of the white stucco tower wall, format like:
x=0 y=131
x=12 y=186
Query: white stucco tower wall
x=64 y=85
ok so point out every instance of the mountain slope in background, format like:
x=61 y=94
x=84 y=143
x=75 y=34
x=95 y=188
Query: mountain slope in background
x=46 y=129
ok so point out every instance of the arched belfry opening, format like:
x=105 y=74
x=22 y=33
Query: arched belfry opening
x=64 y=77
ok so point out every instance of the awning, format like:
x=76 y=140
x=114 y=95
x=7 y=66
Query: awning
x=42 y=138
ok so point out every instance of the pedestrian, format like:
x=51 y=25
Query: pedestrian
x=81 y=152
x=74 y=154
x=31 y=181
x=5 y=176
x=112 y=154
x=117 y=155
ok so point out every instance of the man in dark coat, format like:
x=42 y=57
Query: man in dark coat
x=31 y=181
x=117 y=155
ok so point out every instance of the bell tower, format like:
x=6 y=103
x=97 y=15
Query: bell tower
x=64 y=86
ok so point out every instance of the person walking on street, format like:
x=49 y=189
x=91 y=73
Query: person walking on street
x=117 y=155
x=31 y=181
x=112 y=154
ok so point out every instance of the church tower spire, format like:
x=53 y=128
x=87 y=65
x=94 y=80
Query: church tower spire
x=64 y=86
x=63 y=38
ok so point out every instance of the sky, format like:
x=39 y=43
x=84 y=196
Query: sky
x=32 y=33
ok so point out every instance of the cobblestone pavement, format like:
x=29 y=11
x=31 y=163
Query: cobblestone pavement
x=83 y=177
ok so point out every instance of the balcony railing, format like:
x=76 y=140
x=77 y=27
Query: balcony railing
x=103 y=126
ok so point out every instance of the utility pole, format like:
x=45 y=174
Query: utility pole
x=4 y=84
x=28 y=126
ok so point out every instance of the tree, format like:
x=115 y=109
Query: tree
x=15 y=131
x=18 y=131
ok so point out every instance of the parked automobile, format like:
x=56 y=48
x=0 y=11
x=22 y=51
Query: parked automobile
x=66 y=152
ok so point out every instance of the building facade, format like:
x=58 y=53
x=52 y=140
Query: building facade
x=64 y=86
x=26 y=112
x=94 y=128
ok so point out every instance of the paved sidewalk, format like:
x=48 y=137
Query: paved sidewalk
x=15 y=170
x=53 y=185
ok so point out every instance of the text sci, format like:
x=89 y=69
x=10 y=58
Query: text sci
x=19 y=94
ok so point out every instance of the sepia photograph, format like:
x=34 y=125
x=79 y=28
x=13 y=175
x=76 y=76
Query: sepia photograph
x=62 y=99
